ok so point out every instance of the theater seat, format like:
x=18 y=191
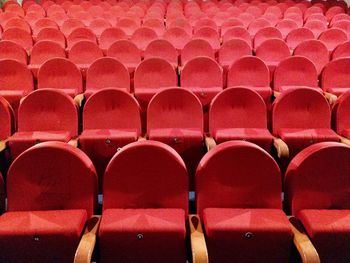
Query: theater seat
x=46 y=223
x=162 y=49
x=335 y=76
x=135 y=229
x=317 y=189
x=11 y=50
x=44 y=115
x=2 y=195
x=196 y=48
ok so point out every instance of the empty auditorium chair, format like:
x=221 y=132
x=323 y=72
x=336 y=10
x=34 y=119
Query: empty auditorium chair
x=16 y=81
x=235 y=215
x=246 y=19
x=265 y=34
x=168 y=122
x=11 y=50
x=335 y=76
x=60 y=19
x=150 y=76
x=301 y=117
x=5 y=16
x=297 y=36
x=43 y=51
x=312 y=10
x=232 y=22
x=343 y=25
x=196 y=48
x=250 y=72
x=128 y=25
x=285 y=26
x=111 y=120
x=126 y=52
x=43 y=23
x=7 y=122
x=205 y=22
x=256 y=25
x=20 y=37
x=143 y=36
x=32 y=17
x=237 y=32
x=161 y=214
x=107 y=72
x=342 y=51
x=80 y=34
x=177 y=36
x=163 y=49
x=340 y=113
x=295 y=72
x=17 y=23
x=332 y=11
x=181 y=23
x=60 y=74
x=155 y=24
x=317 y=195
x=210 y=35
x=83 y=54
x=52 y=34
x=47 y=222
x=272 y=52
x=83 y=16
x=332 y=38
x=318 y=17
x=109 y=36
x=99 y=25
x=15 y=9
x=232 y=50
x=314 y=50
x=70 y=25
x=317 y=27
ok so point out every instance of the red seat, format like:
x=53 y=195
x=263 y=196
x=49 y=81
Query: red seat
x=256 y=25
x=61 y=74
x=99 y=25
x=342 y=51
x=340 y=113
x=143 y=36
x=316 y=26
x=60 y=19
x=17 y=22
x=196 y=48
x=157 y=221
x=265 y=34
x=111 y=120
x=297 y=36
x=317 y=188
x=20 y=37
x=7 y=118
x=248 y=210
x=109 y=36
x=210 y=35
x=332 y=38
x=181 y=23
x=286 y=25
x=157 y=25
x=128 y=25
x=43 y=23
x=335 y=76
x=230 y=23
x=44 y=115
x=70 y=25
x=13 y=51
x=163 y=49
x=177 y=36
x=46 y=223
x=52 y=34
x=231 y=51
x=237 y=32
x=80 y=34
x=205 y=22
x=302 y=117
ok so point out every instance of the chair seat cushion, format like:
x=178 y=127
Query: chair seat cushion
x=143 y=235
x=41 y=236
x=262 y=235
x=21 y=141
x=261 y=137
x=205 y=95
x=329 y=231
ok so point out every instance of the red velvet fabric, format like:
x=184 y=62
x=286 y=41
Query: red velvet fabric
x=79 y=34
x=297 y=36
x=340 y=113
x=210 y=35
x=342 y=50
x=41 y=236
x=52 y=34
x=177 y=36
x=2 y=194
x=143 y=36
x=7 y=119
x=196 y=48
x=163 y=49
x=11 y=50
x=109 y=36
x=266 y=33
x=336 y=77
x=237 y=32
x=232 y=50
x=228 y=228
x=333 y=37
x=20 y=37
x=143 y=235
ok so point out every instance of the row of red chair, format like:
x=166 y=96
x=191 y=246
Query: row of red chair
x=145 y=215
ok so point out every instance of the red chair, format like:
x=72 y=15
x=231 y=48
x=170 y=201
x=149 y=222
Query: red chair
x=332 y=38
x=340 y=113
x=210 y=35
x=256 y=25
x=20 y=37
x=237 y=32
x=265 y=34
x=335 y=77
x=317 y=27
x=231 y=51
x=17 y=22
x=196 y=48
x=343 y=25
x=177 y=36
x=297 y=36
x=143 y=36
x=43 y=23
x=163 y=49
x=109 y=36
x=80 y=34
x=342 y=51
x=230 y=23
x=70 y=25
x=13 y=51
x=316 y=193
x=157 y=25
x=99 y=25
x=47 y=223
x=52 y=34
x=205 y=22
x=285 y=26
x=128 y=25
x=181 y=23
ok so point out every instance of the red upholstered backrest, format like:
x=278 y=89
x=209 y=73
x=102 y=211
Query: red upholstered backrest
x=128 y=25
x=107 y=72
x=237 y=108
x=52 y=176
x=238 y=174
x=48 y=110
x=112 y=109
x=19 y=36
x=60 y=73
x=15 y=76
x=234 y=49
x=205 y=22
x=17 y=22
x=155 y=73
x=177 y=36
x=70 y=24
x=333 y=37
x=7 y=119
x=84 y=52
x=265 y=34
x=341 y=113
x=202 y=72
x=318 y=178
x=45 y=50
x=273 y=50
x=162 y=49
x=248 y=71
x=2 y=195
x=52 y=34
x=257 y=24
x=109 y=36
x=11 y=50
x=297 y=36
x=342 y=50
x=196 y=48
x=43 y=23
x=301 y=108
x=125 y=51
x=336 y=74
x=295 y=71
x=98 y=25
x=146 y=174
x=143 y=36
x=237 y=32
x=171 y=108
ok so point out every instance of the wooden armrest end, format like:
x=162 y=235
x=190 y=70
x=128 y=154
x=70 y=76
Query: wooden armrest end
x=281 y=147
x=210 y=143
x=198 y=245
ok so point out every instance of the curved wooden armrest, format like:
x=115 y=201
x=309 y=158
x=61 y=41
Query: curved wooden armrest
x=281 y=147
x=87 y=243
x=141 y=138
x=198 y=246
x=303 y=244
x=79 y=99
x=3 y=145
x=344 y=140
x=330 y=97
x=210 y=143
x=74 y=142
x=276 y=93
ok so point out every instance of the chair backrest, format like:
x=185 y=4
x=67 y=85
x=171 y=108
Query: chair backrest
x=316 y=26
x=128 y=25
x=45 y=50
x=340 y=113
x=171 y=107
x=297 y=36
x=143 y=36
x=52 y=34
x=273 y=50
x=107 y=72
x=84 y=52
x=15 y=76
x=60 y=73
x=17 y=22
x=256 y=25
x=162 y=49
x=196 y=48
x=70 y=24
x=177 y=36
x=318 y=178
x=248 y=71
x=155 y=24
x=238 y=174
x=336 y=74
x=112 y=109
x=232 y=50
x=301 y=108
x=237 y=107
x=333 y=37
x=43 y=23
x=209 y=34
x=53 y=176
x=154 y=174
x=342 y=51
x=80 y=34
x=99 y=25
x=7 y=119
x=155 y=73
x=205 y=22
x=265 y=34
x=295 y=71
x=11 y=50
x=19 y=36
x=125 y=51
x=232 y=22
x=237 y=32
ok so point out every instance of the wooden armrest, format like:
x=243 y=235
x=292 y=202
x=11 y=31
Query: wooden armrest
x=79 y=99
x=303 y=244
x=276 y=93
x=87 y=243
x=344 y=140
x=330 y=97
x=209 y=143
x=142 y=138
x=281 y=147
x=74 y=142
x=198 y=246
x=3 y=145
